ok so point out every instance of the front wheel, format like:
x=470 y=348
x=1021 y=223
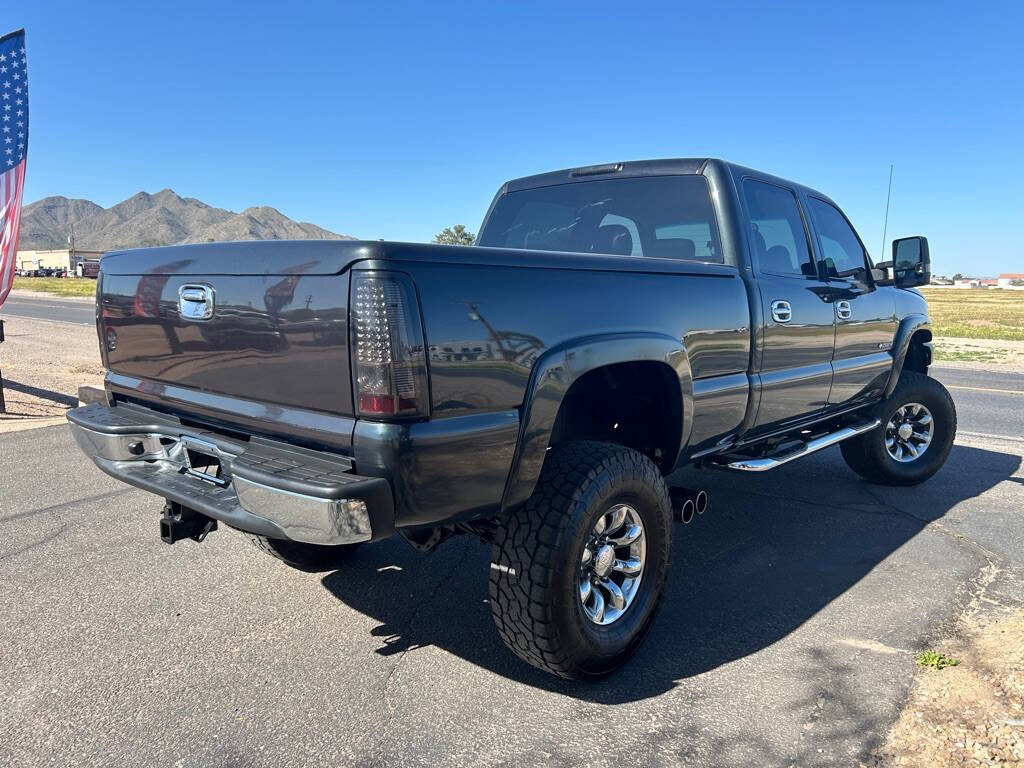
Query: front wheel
x=578 y=570
x=913 y=441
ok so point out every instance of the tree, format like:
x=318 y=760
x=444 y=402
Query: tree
x=958 y=276
x=457 y=235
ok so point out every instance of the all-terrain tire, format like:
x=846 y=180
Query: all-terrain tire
x=536 y=556
x=866 y=454
x=313 y=558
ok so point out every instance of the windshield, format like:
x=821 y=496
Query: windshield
x=667 y=217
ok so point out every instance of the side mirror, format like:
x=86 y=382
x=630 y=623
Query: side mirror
x=911 y=263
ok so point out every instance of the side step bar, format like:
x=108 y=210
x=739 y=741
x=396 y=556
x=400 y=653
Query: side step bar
x=764 y=463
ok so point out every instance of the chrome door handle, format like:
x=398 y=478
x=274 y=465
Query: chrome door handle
x=781 y=311
x=843 y=311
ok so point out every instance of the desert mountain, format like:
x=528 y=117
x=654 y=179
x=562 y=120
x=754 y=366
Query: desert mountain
x=160 y=219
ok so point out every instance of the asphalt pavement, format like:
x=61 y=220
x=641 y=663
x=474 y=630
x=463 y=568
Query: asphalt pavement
x=50 y=308
x=786 y=635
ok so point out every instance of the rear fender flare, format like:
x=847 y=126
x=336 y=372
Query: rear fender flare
x=555 y=373
x=909 y=325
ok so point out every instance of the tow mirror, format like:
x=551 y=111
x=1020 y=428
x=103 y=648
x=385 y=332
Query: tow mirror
x=911 y=263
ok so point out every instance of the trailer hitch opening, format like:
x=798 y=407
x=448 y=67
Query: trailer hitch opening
x=178 y=522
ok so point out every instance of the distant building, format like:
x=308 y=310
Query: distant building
x=468 y=350
x=976 y=282
x=1012 y=280
x=58 y=258
x=940 y=280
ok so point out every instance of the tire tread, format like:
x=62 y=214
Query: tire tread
x=527 y=540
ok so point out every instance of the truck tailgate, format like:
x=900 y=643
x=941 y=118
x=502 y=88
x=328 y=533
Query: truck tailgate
x=279 y=337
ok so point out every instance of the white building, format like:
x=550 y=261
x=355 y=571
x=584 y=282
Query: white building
x=57 y=258
x=1011 y=280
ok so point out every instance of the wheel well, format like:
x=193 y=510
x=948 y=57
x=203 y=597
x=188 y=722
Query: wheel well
x=918 y=355
x=637 y=404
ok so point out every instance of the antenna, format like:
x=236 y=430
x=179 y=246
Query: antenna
x=885 y=227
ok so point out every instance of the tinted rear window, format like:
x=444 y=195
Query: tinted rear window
x=662 y=216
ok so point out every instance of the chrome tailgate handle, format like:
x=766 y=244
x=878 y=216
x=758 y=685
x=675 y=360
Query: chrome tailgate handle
x=195 y=302
x=843 y=311
x=782 y=312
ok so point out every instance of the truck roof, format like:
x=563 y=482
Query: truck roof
x=664 y=167
x=672 y=166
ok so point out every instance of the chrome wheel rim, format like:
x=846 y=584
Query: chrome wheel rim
x=612 y=564
x=908 y=432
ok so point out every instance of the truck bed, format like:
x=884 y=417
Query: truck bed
x=280 y=331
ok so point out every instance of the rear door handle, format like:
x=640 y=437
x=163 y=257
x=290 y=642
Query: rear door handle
x=782 y=312
x=843 y=311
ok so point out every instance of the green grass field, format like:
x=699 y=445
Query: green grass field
x=976 y=313
x=67 y=286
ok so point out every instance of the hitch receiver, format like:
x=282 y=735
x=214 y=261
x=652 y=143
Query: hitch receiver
x=178 y=522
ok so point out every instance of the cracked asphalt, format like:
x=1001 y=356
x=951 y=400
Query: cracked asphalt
x=786 y=636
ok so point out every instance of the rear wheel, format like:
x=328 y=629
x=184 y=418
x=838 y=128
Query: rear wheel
x=918 y=424
x=578 y=571
x=302 y=556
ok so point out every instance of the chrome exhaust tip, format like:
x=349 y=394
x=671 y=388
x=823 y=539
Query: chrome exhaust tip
x=701 y=502
x=687 y=510
x=688 y=503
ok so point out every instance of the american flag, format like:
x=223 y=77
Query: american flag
x=13 y=148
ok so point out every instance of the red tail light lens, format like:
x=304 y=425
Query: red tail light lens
x=389 y=365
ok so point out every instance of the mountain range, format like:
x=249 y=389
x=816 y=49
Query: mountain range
x=161 y=219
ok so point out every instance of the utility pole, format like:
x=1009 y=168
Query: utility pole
x=474 y=314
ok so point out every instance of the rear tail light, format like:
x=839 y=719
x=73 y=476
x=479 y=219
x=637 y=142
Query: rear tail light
x=389 y=364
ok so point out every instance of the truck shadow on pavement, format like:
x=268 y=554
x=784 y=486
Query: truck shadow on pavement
x=771 y=552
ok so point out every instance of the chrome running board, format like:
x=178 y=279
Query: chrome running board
x=764 y=463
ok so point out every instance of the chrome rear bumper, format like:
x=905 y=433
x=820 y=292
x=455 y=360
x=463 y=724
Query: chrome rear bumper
x=261 y=486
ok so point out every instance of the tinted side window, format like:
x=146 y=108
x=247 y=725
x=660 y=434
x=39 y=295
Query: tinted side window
x=841 y=251
x=662 y=216
x=777 y=231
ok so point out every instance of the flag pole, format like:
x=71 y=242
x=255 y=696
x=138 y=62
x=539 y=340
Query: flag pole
x=3 y=403
x=14 y=89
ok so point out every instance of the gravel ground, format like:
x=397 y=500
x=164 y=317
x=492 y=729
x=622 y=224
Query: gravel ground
x=43 y=364
x=970 y=714
x=980 y=354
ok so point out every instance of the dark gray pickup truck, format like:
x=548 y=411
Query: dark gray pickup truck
x=612 y=324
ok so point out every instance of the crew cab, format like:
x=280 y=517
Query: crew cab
x=538 y=389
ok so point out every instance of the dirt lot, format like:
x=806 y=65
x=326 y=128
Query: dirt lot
x=43 y=365
x=997 y=355
x=971 y=713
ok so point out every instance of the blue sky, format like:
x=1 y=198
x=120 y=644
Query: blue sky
x=395 y=120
